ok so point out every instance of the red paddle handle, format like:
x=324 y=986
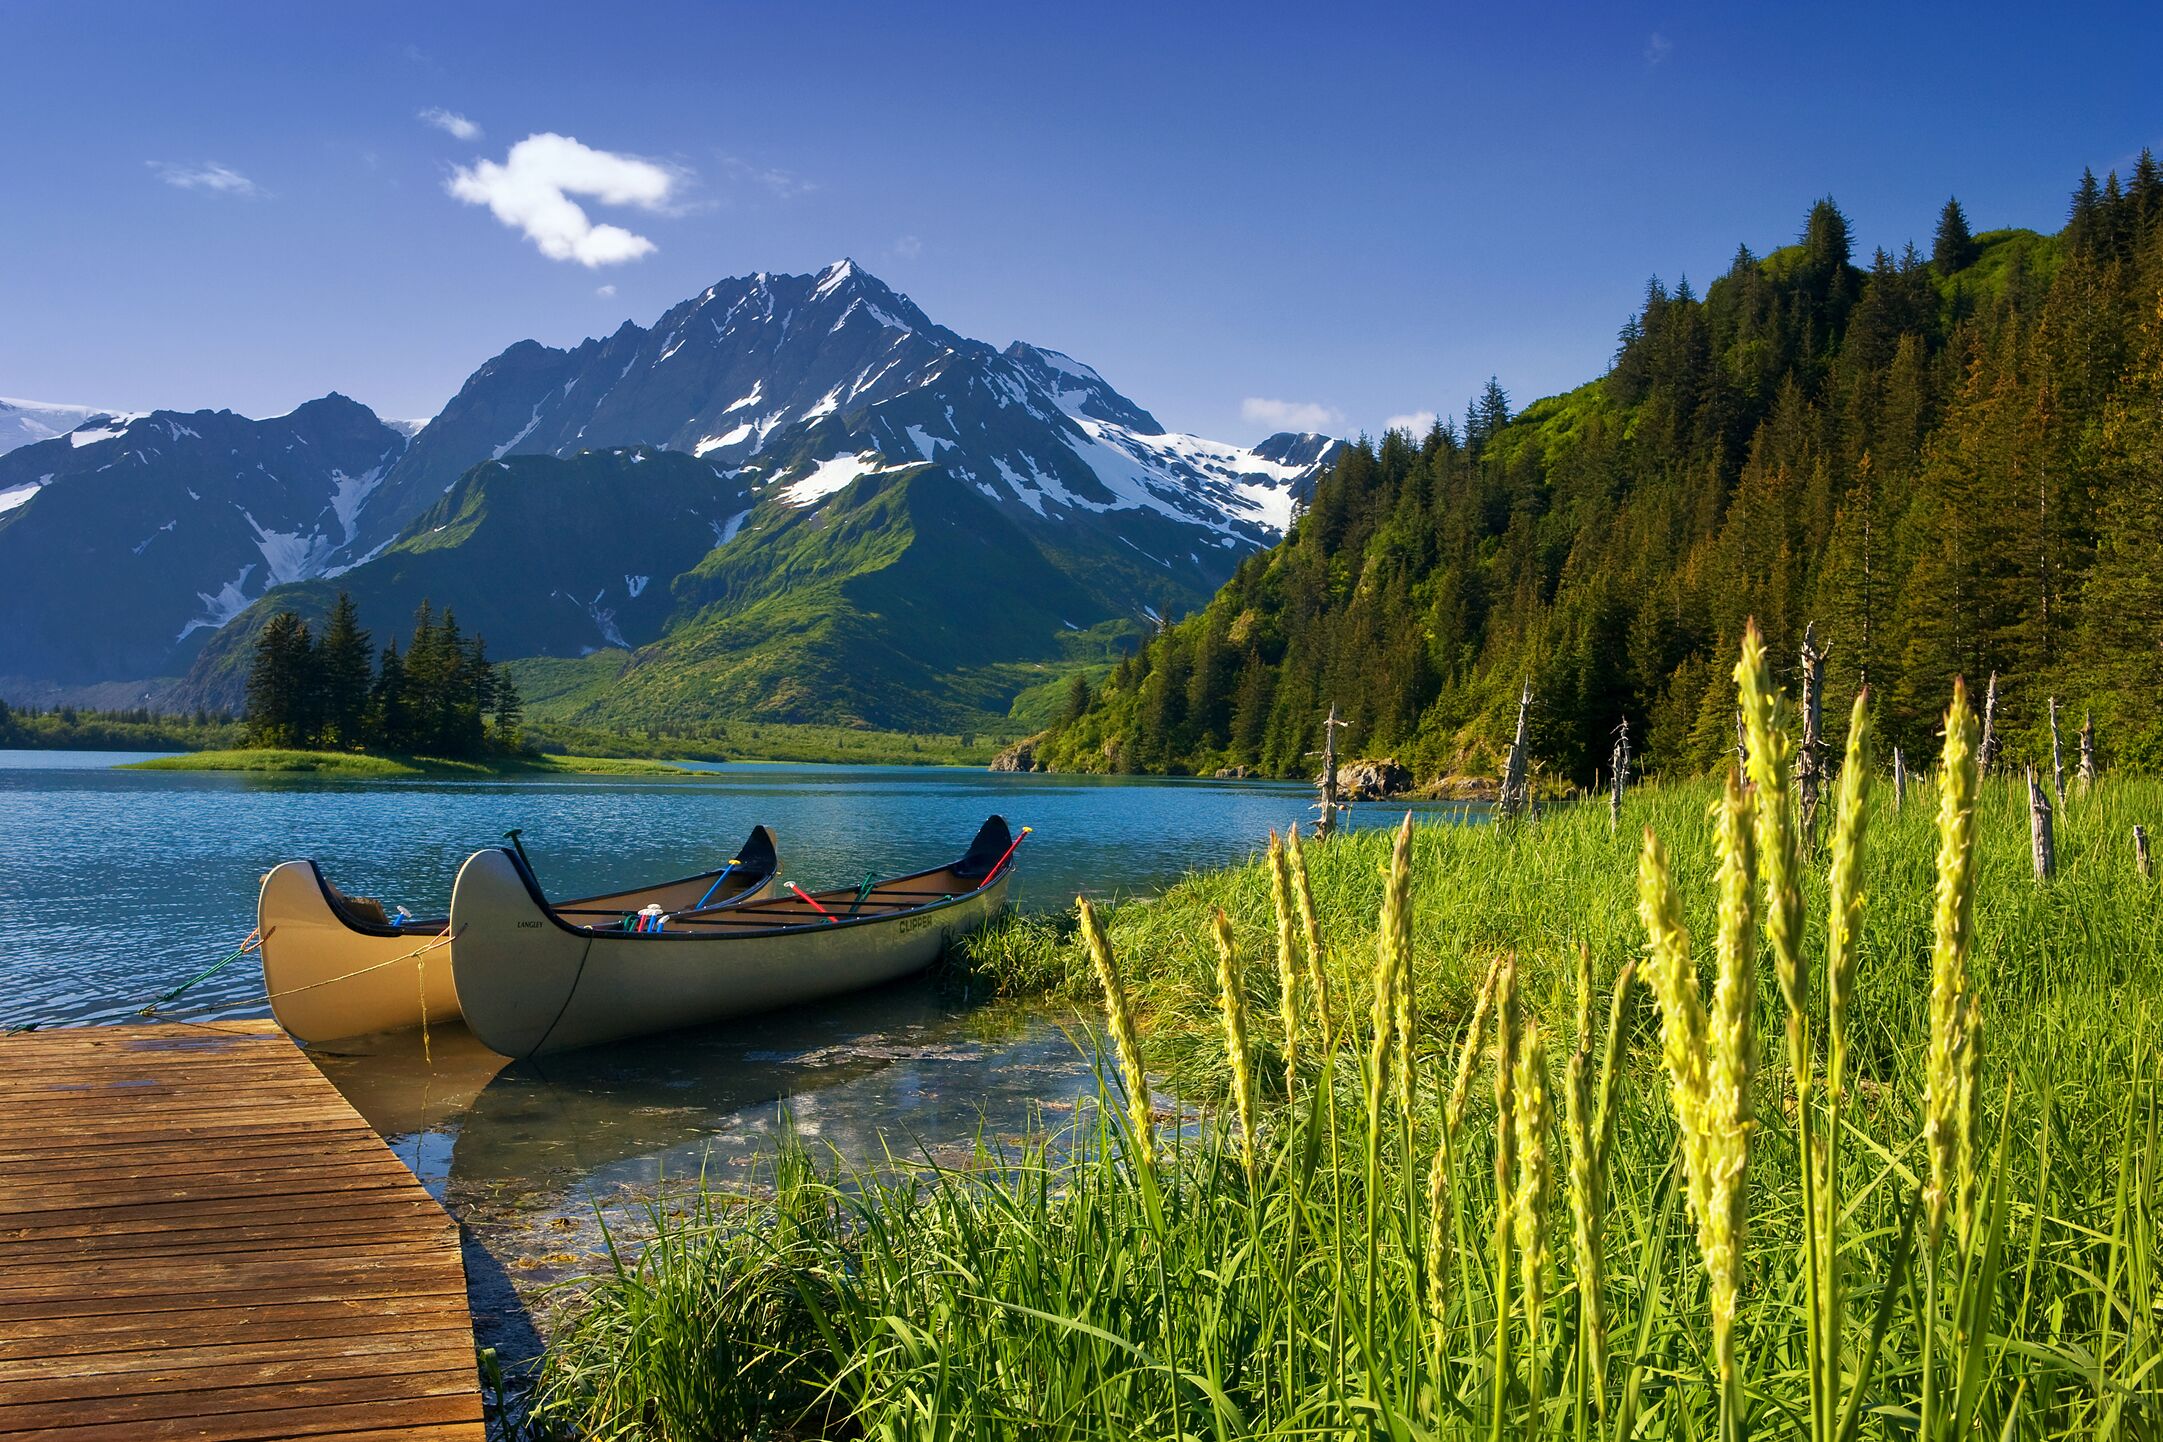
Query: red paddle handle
x=805 y=897
x=996 y=865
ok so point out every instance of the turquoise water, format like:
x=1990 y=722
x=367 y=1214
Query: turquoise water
x=116 y=886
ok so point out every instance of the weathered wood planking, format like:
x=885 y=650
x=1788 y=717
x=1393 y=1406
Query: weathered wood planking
x=200 y=1239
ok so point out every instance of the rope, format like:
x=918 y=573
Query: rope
x=443 y=940
x=253 y=941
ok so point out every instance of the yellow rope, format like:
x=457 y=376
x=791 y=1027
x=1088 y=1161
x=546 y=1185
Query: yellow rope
x=442 y=940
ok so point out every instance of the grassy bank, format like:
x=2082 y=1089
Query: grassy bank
x=1579 y=1206
x=358 y=766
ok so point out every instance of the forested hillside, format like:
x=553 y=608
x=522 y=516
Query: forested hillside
x=1950 y=462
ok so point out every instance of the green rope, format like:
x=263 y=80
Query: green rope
x=871 y=879
x=242 y=950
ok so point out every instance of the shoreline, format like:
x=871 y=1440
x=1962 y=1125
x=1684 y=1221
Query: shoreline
x=363 y=766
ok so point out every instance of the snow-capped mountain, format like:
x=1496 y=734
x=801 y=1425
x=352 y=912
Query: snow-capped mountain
x=805 y=382
x=25 y=423
x=124 y=539
x=825 y=412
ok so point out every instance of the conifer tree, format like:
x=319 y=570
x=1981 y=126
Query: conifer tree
x=1954 y=249
x=510 y=711
x=344 y=658
x=389 y=707
x=284 y=685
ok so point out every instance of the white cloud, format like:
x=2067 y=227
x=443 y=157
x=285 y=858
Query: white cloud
x=604 y=291
x=781 y=184
x=450 y=122
x=908 y=247
x=1658 y=48
x=210 y=176
x=1289 y=415
x=1414 y=423
x=531 y=192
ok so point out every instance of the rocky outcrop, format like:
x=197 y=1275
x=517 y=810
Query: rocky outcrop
x=1021 y=756
x=1234 y=773
x=1372 y=780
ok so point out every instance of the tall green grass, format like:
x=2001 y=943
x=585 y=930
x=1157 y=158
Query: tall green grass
x=1914 y=1189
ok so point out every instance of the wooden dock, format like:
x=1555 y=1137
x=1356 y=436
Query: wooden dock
x=200 y=1239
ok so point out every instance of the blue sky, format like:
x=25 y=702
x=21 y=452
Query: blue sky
x=1244 y=216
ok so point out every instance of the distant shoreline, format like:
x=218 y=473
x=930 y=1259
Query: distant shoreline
x=361 y=766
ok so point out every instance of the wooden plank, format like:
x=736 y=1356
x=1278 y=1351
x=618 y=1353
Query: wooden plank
x=199 y=1238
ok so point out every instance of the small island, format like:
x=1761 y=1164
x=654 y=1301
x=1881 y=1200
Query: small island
x=336 y=706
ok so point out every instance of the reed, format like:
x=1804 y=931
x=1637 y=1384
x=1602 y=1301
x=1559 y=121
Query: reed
x=1232 y=992
x=1310 y=924
x=1985 y=1223
x=1289 y=1002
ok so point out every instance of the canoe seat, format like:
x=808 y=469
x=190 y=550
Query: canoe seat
x=362 y=910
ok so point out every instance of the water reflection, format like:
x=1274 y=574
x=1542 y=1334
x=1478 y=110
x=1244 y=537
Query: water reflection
x=532 y=1156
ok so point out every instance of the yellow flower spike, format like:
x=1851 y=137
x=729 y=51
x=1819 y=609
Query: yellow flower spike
x=1844 y=906
x=1288 y=974
x=1953 y=925
x=1120 y=1014
x=1310 y=923
x=1232 y=997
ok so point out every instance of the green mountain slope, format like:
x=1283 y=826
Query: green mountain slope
x=543 y=557
x=905 y=601
x=1949 y=464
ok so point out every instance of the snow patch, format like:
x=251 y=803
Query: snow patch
x=231 y=599
x=504 y=449
x=724 y=440
x=635 y=585
x=927 y=445
x=829 y=476
x=144 y=544
x=346 y=501
x=725 y=531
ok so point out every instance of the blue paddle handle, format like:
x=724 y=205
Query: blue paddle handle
x=717 y=883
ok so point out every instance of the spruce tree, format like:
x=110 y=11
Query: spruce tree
x=390 y=711
x=1954 y=249
x=344 y=658
x=510 y=711
x=284 y=695
x=1077 y=699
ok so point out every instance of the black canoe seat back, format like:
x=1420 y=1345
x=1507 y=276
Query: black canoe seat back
x=991 y=843
x=757 y=856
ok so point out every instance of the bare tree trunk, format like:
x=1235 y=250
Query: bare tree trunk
x=1900 y=780
x=2057 y=757
x=1987 y=753
x=1809 y=764
x=1621 y=760
x=2140 y=852
x=2087 y=752
x=2046 y=855
x=1328 y=806
x=1516 y=789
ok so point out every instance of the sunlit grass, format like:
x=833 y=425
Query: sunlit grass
x=1508 y=1246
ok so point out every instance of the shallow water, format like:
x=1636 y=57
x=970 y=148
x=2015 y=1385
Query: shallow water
x=116 y=886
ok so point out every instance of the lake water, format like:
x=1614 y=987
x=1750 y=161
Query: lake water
x=116 y=886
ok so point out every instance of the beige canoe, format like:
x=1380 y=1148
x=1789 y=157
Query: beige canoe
x=534 y=980
x=336 y=966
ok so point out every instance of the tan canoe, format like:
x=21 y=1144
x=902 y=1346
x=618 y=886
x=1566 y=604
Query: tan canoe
x=335 y=966
x=534 y=980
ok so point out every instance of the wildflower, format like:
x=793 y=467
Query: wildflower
x=1121 y=1016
